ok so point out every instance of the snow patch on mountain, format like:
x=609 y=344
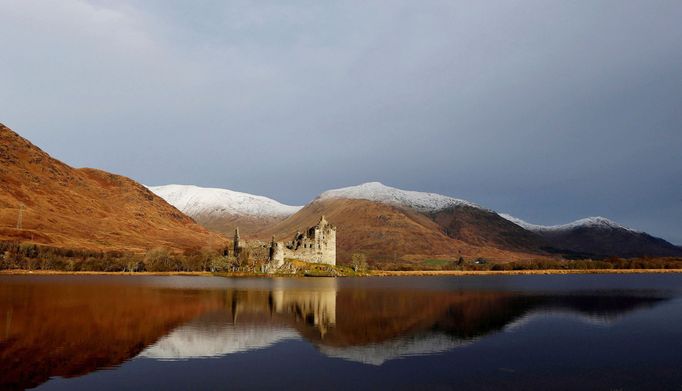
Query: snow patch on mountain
x=203 y=342
x=375 y=191
x=379 y=353
x=197 y=201
x=592 y=222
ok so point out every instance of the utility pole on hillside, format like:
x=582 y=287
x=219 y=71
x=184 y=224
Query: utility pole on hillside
x=20 y=219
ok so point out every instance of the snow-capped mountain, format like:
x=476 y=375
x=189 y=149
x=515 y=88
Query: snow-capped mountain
x=376 y=191
x=588 y=222
x=445 y=225
x=195 y=200
x=224 y=210
x=387 y=223
x=598 y=237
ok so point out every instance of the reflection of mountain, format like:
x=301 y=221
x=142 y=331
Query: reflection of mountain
x=64 y=327
x=378 y=353
x=257 y=320
x=70 y=328
x=215 y=336
x=374 y=326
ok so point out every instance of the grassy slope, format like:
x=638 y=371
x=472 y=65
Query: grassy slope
x=85 y=208
x=386 y=234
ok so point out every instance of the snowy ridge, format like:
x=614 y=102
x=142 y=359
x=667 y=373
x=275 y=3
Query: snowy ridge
x=593 y=222
x=591 y=319
x=203 y=342
x=375 y=191
x=196 y=201
x=379 y=353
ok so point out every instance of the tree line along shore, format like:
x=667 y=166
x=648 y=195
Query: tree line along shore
x=31 y=257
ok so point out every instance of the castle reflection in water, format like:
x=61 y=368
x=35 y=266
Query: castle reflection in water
x=314 y=307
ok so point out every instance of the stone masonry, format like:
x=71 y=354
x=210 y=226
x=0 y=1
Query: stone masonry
x=317 y=244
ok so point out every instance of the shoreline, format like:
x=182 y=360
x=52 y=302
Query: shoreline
x=394 y=273
x=373 y=273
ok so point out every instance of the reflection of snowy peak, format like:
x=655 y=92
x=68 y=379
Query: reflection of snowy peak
x=202 y=342
x=198 y=201
x=600 y=320
x=591 y=222
x=379 y=353
x=375 y=191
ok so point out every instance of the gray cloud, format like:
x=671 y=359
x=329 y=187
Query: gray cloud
x=548 y=110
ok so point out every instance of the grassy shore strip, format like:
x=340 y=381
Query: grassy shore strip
x=516 y=272
x=379 y=273
x=88 y=273
x=22 y=272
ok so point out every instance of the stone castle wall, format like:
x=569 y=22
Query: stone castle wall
x=317 y=244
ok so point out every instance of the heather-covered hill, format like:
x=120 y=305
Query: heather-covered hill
x=387 y=234
x=85 y=208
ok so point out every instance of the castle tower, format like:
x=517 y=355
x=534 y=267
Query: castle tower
x=236 y=242
x=329 y=242
x=276 y=253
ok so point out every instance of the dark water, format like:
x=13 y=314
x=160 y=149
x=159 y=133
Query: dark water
x=602 y=332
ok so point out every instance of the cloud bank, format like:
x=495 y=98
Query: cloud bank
x=548 y=110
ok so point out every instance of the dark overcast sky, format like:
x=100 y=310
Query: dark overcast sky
x=548 y=110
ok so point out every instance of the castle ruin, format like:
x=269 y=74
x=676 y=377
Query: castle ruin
x=317 y=244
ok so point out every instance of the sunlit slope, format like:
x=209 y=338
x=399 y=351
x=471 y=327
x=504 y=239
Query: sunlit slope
x=386 y=233
x=84 y=208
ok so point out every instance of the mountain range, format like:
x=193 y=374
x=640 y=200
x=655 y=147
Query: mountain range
x=391 y=225
x=45 y=201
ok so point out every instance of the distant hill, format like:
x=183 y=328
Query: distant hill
x=600 y=237
x=223 y=210
x=45 y=201
x=85 y=208
x=391 y=225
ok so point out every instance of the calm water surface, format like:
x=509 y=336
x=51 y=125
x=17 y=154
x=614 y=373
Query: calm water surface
x=600 y=332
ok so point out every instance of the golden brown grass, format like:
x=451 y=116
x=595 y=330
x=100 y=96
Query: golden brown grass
x=372 y=273
x=85 y=208
x=387 y=234
x=87 y=273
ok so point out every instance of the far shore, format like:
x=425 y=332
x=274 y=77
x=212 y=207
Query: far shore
x=516 y=272
x=372 y=273
x=87 y=273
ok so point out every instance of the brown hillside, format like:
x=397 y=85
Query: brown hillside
x=248 y=226
x=483 y=227
x=385 y=233
x=85 y=208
